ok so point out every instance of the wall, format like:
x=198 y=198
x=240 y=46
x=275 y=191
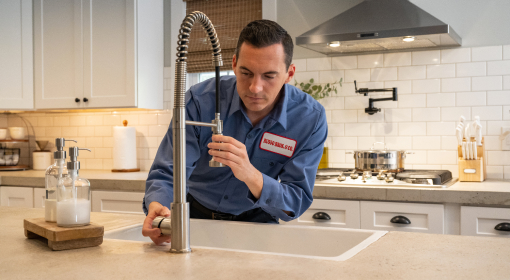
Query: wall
x=435 y=88
x=479 y=23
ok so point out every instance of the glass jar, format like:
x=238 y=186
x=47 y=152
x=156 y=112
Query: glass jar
x=73 y=200
x=53 y=173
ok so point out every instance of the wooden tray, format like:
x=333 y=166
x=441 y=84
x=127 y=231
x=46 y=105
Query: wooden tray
x=60 y=238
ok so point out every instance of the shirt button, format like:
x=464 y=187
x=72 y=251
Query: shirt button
x=271 y=163
x=248 y=136
x=268 y=201
x=225 y=197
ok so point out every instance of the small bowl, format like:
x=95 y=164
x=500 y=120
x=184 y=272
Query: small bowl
x=3 y=133
x=17 y=133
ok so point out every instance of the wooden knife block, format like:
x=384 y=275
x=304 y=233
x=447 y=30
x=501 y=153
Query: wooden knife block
x=466 y=167
x=60 y=238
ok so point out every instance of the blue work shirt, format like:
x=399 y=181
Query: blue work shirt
x=288 y=179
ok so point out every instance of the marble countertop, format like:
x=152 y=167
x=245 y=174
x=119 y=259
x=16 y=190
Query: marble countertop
x=491 y=192
x=397 y=255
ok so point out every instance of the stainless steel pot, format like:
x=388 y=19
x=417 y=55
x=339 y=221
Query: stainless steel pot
x=380 y=160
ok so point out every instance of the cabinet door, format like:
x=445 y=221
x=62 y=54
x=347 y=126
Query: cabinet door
x=341 y=213
x=16 y=55
x=117 y=202
x=39 y=197
x=482 y=221
x=58 y=54
x=17 y=197
x=109 y=53
x=426 y=218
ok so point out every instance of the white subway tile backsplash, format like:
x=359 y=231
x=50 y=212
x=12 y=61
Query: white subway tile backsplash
x=446 y=99
x=102 y=131
x=487 y=53
x=426 y=57
x=398 y=115
x=158 y=130
x=300 y=64
x=344 y=62
x=449 y=142
x=332 y=76
x=337 y=156
x=95 y=120
x=365 y=117
x=455 y=84
x=112 y=120
x=403 y=87
x=426 y=86
x=397 y=59
x=412 y=72
x=382 y=129
x=412 y=100
x=494 y=127
x=68 y=131
x=506 y=172
x=165 y=118
x=370 y=61
x=336 y=129
x=488 y=113
x=498 y=97
x=333 y=103
x=506 y=52
x=495 y=172
x=130 y=118
x=357 y=129
x=148 y=119
x=418 y=157
x=412 y=128
x=442 y=157
x=471 y=69
x=53 y=132
x=61 y=121
x=317 y=64
x=441 y=128
x=426 y=114
x=86 y=131
x=454 y=113
x=498 y=157
x=305 y=77
x=456 y=55
x=506 y=113
x=44 y=121
x=495 y=68
x=356 y=102
x=475 y=98
x=398 y=142
x=440 y=71
x=358 y=75
x=426 y=142
x=383 y=74
x=365 y=143
x=492 y=143
x=506 y=82
x=487 y=83
x=344 y=116
x=345 y=143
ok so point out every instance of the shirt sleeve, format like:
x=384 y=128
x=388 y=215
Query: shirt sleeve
x=159 y=184
x=293 y=192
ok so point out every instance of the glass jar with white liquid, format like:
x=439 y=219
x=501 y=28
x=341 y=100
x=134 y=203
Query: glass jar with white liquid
x=53 y=174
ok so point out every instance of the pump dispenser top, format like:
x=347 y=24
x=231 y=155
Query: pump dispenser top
x=60 y=144
x=74 y=152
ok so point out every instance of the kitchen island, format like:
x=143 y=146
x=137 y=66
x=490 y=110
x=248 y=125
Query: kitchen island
x=397 y=255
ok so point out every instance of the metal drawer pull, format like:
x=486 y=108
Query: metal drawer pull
x=321 y=216
x=400 y=220
x=503 y=227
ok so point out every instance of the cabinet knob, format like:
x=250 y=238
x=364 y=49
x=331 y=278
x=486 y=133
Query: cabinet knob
x=76 y=99
x=400 y=220
x=85 y=99
x=503 y=227
x=321 y=216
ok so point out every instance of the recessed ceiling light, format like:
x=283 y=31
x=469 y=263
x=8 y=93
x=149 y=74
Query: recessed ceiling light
x=408 y=39
x=334 y=44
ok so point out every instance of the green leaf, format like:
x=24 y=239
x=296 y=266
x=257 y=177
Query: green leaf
x=311 y=81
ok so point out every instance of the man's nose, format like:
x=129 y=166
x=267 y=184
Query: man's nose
x=256 y=85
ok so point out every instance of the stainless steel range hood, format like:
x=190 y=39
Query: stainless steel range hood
x=379 y=26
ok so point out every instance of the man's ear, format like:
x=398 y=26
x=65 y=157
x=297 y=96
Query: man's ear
x=290 y=72
x=234 y=63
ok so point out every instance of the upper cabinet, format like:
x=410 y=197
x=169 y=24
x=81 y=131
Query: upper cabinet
x=16 y=60
x=98 y=54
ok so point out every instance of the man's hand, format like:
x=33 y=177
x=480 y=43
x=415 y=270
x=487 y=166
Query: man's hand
x=233 y=154
x=155 y=210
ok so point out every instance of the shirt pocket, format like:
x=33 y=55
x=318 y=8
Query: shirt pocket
x=268 y=166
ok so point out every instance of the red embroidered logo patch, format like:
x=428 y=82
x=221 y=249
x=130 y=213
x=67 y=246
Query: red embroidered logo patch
x=277 y=144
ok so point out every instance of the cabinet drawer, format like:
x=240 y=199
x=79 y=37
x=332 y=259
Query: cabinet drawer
x=481 y=221
x=39 y=197
x=117 y=202
x=427 y=218
x=343 y=213
x=17 y=197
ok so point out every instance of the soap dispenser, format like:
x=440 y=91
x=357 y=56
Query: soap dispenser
x=53 y=173
x=73 y=195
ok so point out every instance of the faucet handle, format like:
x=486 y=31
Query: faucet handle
x=164 y=224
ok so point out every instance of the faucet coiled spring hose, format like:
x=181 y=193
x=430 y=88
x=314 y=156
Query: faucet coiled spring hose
x=182 y=51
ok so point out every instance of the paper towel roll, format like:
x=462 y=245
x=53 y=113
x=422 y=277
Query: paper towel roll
x=124 y=148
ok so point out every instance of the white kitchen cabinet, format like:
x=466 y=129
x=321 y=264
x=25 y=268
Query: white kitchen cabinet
x=117 y=202
x=39 y=197
x=16 y=55
x=481 y=221
x=17 y=196
x=426 y=218
x=98 y=54
x=342 y=213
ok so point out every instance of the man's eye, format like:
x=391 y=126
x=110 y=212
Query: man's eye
x=246 y=74
x=270 y=77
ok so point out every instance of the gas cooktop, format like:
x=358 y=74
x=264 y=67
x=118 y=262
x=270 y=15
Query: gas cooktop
x=406 y=178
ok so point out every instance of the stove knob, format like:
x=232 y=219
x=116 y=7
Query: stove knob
x=354 y=176
x=381 y=176
x=341 y=177
x=389 y=179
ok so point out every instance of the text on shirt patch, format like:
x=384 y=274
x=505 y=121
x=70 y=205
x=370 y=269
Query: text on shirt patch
x=278 y=144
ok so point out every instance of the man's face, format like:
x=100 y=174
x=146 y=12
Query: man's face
x=261 y=73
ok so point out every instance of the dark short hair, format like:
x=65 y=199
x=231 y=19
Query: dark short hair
x=263 y=33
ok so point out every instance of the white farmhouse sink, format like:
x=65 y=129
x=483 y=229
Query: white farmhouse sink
x=286 y=240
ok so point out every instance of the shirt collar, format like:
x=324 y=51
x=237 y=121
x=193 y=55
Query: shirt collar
x=279 y=112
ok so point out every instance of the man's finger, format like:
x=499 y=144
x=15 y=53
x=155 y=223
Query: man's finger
x=228 y=156
x=151 y=232
x=227 y=139
x=161 y=239
x=225 y=147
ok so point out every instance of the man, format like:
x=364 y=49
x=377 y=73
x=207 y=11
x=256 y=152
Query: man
x=273 y=140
